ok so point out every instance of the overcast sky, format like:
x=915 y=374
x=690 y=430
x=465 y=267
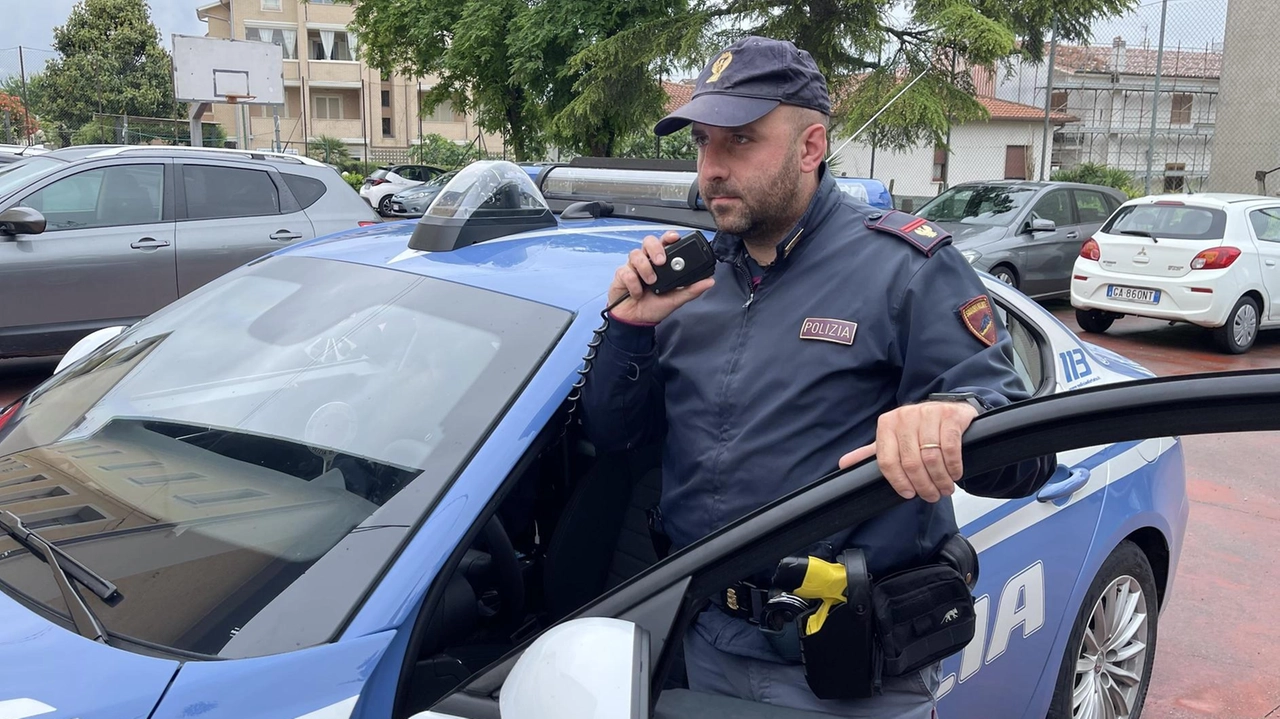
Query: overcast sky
x=1193 y=23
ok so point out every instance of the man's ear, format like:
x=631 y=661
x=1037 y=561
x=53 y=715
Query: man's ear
x=813 y=147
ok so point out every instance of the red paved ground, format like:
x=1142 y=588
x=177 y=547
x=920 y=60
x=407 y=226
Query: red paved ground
x=1219 y=647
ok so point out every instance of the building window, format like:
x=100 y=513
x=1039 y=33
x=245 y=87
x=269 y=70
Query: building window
x=1180 y=109
x=286 y=39
x=1175 y=182
x=386 y=127
x=1058 y=101
x=1015 y=162
x=329 y=45
x=939 y=164
x=271 y=5
x=386 y=98
x=327 y=107
x=444 y=112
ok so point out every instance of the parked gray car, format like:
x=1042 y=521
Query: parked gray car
x=1027 y=234
x=95 y=236
x=414 y=201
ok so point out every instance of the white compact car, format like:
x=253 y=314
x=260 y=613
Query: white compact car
x=387 y=181
x=1206 y=259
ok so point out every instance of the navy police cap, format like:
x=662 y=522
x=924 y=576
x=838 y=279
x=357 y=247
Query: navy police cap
x=746 y=80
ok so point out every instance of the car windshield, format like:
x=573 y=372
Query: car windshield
x=993 y=205
x=21 y=173
x=213 y=453
x=1172 y=221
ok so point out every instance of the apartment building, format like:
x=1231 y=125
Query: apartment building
x=328 y=90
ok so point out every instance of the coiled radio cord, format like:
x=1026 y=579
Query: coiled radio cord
x=575 y=392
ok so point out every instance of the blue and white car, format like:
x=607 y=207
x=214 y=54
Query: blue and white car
x=344 y=481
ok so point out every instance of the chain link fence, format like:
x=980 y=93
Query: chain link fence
x=1195 y=108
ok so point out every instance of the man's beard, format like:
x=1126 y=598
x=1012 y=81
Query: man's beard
x=767 y=213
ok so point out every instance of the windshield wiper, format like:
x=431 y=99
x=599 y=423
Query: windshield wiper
x=64 y=568
x=1139 y=233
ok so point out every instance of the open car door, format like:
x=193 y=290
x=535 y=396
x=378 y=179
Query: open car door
x=647 y=616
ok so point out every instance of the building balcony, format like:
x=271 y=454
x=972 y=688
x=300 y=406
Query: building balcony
x=319 y=71
x=335 y=14
x=345 y=129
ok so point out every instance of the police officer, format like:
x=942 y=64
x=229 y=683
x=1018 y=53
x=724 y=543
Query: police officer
x=830 y=332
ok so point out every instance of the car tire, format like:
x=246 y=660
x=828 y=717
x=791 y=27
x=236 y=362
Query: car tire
x=1241 y=329
x=1127 y=651
x=1005 y=274
x=384 y=206
x=1094 y=321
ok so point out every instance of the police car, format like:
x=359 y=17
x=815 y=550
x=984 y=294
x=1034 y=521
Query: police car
x=345 y=480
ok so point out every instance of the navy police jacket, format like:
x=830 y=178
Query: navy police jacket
x=756 y=392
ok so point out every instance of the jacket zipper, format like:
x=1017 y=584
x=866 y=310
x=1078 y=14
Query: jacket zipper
x=751 y=286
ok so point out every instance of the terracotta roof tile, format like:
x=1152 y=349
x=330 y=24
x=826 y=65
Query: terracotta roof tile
x=1006 y=110
x=1139 y=61
x=678 y=95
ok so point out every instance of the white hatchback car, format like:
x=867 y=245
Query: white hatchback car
x=387 y=181
x=1207 y=259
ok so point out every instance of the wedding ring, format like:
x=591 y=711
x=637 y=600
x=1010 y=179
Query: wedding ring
x=930 y=446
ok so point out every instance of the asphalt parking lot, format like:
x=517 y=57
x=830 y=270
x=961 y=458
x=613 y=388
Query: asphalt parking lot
x=1219 y=652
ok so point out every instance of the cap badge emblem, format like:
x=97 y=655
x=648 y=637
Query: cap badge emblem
x=720 y=65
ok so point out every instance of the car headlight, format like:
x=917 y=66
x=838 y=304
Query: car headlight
x=971 y=256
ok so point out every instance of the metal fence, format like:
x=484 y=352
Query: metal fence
x=1177 y=96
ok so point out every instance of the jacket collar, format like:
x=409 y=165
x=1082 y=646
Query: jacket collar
x=730 y=248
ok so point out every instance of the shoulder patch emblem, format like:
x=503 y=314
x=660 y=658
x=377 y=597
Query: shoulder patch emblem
x=978 y=317
x=918 y=232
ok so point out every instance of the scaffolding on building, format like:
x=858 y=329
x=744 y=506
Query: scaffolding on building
x=1111 y=92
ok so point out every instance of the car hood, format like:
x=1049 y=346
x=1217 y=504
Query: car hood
x=965 y=236
x=52 y=671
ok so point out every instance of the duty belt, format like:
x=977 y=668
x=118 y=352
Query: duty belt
x=743 y=600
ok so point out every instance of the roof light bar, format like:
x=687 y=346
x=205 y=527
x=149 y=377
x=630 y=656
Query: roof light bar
x=642 y=187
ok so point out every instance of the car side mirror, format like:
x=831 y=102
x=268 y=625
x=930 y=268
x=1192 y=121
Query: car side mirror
x=87 y=345
x=589 y=668
x=21 y=221
x=1042 y=225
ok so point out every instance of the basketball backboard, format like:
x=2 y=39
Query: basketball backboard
x=213 y=69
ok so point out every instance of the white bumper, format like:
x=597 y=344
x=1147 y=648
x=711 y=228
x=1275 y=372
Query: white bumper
x=1182 y=299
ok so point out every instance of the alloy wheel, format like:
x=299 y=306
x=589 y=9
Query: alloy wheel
x=1112 y=655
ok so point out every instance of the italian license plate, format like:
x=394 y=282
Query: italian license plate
x=1133 y=294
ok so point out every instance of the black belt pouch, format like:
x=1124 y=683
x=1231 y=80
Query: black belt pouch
x=922 y=615
x=839 y=660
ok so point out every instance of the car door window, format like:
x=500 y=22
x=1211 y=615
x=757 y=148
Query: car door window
x=1028 y=360
x=103 y=197
x=1054 y=206
x=1091 y=206
x=1266 y=224
x=214 y=192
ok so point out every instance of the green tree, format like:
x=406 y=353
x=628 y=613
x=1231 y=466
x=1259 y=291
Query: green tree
x=465 y=44
x=110 y=60
x=643 y=144
x=328 y=149
x=585 y=74
x=1093 y=173
x=438 y=151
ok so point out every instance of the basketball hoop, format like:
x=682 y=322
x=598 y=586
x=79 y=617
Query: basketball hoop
x=232 y=99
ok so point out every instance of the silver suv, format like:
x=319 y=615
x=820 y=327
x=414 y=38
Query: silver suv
x=102 y=235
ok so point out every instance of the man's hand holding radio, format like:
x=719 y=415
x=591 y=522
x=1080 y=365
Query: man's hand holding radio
x=644 y=307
